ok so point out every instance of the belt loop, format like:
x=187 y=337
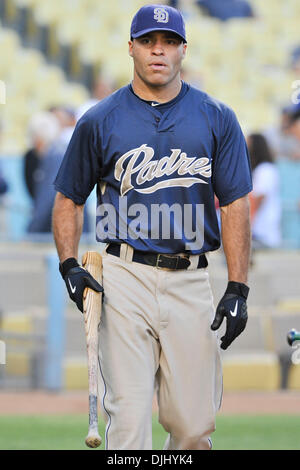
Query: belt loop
x=126 y=252
x=194 y=259
x=105 y=248
x=123 y=251
x=129 y=254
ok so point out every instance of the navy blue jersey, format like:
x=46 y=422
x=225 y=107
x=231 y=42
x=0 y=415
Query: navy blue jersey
x=157 y=174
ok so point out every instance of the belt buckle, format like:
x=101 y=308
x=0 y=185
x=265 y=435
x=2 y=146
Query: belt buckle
x=168 y=256
x=157 y=261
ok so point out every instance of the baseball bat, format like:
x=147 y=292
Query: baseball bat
x=293 y=335
x=92 y=303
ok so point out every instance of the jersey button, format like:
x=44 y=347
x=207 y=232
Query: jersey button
x=157 y=119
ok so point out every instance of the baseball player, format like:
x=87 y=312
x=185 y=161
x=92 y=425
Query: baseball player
x=159 y=151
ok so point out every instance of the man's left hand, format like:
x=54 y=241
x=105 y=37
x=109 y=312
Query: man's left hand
x=233 y=306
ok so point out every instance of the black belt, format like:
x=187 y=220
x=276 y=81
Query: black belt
x=159 y=260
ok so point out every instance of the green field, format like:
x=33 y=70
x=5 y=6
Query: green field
x=68 y=432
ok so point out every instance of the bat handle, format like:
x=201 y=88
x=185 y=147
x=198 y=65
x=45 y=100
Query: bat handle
x=93 y=438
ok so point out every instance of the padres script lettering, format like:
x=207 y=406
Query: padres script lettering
x=148 y=169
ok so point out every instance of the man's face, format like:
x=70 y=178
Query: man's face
x=294 y=129
x=157 y=57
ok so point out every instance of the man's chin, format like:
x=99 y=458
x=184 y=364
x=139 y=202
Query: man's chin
x=158 y=80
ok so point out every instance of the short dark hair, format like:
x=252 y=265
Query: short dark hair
x=294 y=117
x=259 y=150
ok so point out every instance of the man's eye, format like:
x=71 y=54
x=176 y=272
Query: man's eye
x=145 y=41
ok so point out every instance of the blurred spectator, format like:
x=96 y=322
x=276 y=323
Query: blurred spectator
x=295 y=59
x=101 y=88
x=3 y=184
x=194 y=78
x=290 y=179
x=283 y=144
x=45 y=193
x=3 y=190
x=43 y=130
x=31 y=163
x=226 y=9
x=265 y=197
x=66 y=117
x=294 y=127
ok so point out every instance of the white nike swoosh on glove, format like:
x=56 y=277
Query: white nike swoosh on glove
x=235 y=310
x=73 y=289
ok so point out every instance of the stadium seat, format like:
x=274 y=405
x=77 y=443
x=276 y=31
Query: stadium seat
x=294 y=377
x=75 y=94
x=26 y=3
x=31 y=85
x=251 y=372
x=48 y=12
x=9 y=44
x=29 y=61
x=76 y=374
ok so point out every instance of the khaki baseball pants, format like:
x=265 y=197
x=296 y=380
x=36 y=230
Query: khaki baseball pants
x=155 y=336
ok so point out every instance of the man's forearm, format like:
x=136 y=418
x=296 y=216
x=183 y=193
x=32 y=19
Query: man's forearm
x=67 y=222
x=236 y=238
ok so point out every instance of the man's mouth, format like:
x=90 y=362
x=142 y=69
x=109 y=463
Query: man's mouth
x=157 y=66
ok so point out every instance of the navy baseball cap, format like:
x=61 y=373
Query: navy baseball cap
x=157 y=18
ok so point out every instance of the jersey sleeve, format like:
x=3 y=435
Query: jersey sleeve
x=81 y=166
x=231 y=170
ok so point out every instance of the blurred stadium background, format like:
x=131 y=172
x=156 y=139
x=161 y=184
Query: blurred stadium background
x=51 y=57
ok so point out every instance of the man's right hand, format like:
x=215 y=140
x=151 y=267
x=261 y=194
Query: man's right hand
x=77 y=279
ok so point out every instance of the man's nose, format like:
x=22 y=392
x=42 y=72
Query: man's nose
x=157 y=48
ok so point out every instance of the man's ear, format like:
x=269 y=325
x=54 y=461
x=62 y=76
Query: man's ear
x=130 y=45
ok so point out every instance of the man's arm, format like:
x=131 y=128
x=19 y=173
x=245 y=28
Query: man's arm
x=67 y=223
x=67 y=228
x=236 y=235
x=236 y=238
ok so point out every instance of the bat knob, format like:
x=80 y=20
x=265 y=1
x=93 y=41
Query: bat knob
x=93 y=441
x=291 y=336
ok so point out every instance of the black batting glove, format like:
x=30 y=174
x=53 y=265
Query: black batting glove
x=233 y=306
x=77 y=279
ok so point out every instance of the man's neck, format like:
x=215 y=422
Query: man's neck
x=161 y=94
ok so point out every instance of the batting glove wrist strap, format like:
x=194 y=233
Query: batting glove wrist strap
x=77 y=279
x=67 y=265
x=237 y=288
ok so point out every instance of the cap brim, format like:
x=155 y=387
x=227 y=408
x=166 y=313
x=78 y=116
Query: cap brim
x=149 y=30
